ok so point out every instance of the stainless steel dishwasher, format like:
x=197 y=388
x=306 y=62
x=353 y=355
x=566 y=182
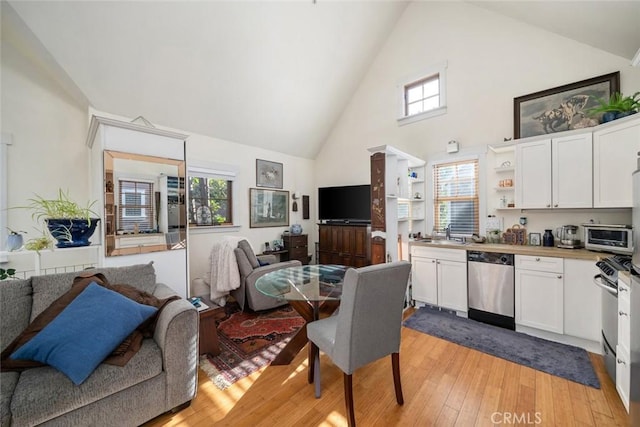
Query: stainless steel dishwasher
x=491 y=286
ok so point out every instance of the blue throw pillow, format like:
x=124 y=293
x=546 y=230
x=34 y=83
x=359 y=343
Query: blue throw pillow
x=85 y=332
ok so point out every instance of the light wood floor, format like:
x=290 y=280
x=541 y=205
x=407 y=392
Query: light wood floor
x=443 y=384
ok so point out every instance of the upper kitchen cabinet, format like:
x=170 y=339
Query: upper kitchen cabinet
x=555 y=173
x=614 y=159
x=533 y=174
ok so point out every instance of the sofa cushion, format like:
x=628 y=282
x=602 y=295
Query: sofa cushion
x=44 y=393
x=46 y=289
x=8 y=382
x=15 y=309
x=85 y=332
x=248 y=250
x=121 y=355
x=244 y=266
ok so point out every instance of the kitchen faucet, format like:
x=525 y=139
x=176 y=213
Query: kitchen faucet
x=447 y=232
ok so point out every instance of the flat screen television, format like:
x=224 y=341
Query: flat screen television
x=351 y=203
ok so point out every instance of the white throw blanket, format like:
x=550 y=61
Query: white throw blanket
x=224 y=275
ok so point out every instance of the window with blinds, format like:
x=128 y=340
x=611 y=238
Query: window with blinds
x=136 y=205
x=456 y=197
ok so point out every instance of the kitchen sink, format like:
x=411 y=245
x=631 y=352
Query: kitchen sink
x=443 y=242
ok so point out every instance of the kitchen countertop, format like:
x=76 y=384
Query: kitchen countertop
x=518 y=249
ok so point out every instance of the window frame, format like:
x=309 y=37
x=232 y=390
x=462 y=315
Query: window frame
x=6 y=139
x=438 y=70
x=123 y=190
x=480 y=157
x=215 y=171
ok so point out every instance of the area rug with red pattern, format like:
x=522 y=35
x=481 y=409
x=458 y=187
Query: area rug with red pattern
x=249 y=341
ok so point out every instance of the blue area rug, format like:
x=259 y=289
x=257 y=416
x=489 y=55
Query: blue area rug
x=562 y=360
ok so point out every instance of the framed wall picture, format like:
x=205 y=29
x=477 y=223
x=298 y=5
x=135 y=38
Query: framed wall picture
x=534 y=239
x=268 y=208
x=268 y=174
x=562 y=108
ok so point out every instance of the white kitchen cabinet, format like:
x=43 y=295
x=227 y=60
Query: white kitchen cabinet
x=571 y=176
x=533 y=174
x=555 y=173
x=615 y=148
x=582 y=300
x=539 y=293
x=439 y=277
x=623 y=361
x=424 y=279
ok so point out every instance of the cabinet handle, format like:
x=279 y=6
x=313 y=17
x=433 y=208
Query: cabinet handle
x=548 y=206
x=622 y=313
x=559 y=276
x=537 y=259
x=621 y=361
x=555 y=206
x=437 y=262
x=433 y=260
x=622 y=289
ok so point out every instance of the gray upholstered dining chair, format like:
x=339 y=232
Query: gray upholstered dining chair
x=366 y=328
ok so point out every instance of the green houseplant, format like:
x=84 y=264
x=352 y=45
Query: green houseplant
x=68 y=222
x=617 y=106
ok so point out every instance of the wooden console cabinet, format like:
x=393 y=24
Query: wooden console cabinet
x=297 y=247
x=344 y=244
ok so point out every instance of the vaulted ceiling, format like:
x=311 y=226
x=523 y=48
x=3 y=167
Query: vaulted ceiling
x=270 y=74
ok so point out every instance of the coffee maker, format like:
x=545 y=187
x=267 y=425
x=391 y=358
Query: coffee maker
x=568 y=237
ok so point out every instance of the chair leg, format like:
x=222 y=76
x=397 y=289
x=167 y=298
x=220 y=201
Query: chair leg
x=348 y=400
x=316 y=373
x=395 y=362
x=313 y=349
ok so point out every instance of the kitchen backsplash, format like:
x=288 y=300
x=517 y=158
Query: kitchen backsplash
x=540 y=220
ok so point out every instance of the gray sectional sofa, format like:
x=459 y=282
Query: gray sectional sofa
x=160 y=377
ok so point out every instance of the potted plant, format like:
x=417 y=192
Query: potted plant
x=617 y=107
x=69 y=223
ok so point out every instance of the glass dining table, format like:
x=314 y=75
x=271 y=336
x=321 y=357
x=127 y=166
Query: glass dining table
x=314 y=291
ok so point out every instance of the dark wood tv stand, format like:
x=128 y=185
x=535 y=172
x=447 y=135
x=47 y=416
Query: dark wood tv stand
x=345 y=244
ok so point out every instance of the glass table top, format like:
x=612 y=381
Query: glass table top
x=304 y=283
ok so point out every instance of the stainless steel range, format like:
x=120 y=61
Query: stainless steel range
x=608 y=281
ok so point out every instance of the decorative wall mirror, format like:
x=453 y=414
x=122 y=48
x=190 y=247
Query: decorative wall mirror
x=144 y=204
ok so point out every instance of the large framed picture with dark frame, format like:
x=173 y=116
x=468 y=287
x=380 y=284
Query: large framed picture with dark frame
x=268 y=208
x=562 y=108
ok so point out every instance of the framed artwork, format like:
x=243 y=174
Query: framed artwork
x=268 y=174
x=562 y=108
x=534 y=239
x=268 y=208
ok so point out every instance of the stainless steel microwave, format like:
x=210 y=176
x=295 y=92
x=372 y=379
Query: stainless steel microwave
x=617 y=239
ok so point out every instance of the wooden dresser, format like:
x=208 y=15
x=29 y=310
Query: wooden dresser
x=298 y=247
x=344 y=244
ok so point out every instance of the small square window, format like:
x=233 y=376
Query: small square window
x=424 y=95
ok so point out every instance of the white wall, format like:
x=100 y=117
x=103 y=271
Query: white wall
x=48 y=128
x=491 y=60
x=298 y=175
